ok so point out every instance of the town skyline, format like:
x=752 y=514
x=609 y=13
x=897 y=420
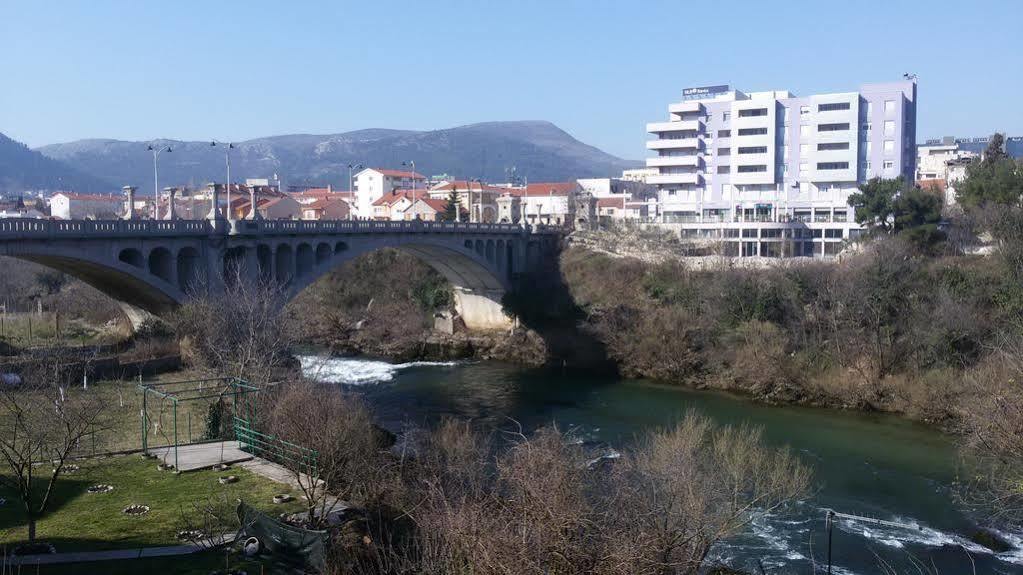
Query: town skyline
x=327 y=69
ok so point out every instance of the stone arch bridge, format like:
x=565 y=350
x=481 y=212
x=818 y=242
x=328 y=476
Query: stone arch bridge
x=152 y=266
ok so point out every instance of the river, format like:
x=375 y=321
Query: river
x=873 y=465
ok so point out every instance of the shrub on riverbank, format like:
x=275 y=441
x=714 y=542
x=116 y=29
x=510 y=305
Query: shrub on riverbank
x=887 y=329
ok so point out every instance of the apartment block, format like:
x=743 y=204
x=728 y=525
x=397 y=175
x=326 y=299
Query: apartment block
x=770 y=173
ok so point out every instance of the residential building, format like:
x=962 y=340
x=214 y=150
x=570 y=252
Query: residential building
x=546 y=203
x=613 y=187
x=326 y=209
x=279 y=207
x=72 y=206
x=427 y=209
x=393 y=205
x=932 y=158
x=770 y=173
x=639 y=174
x=371 y=184
x=475 y=197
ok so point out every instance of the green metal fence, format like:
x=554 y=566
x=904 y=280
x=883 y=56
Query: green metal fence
x=275 y=449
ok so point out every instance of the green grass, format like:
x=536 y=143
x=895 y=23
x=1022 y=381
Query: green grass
x=80 y=521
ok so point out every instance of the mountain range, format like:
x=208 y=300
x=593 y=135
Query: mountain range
x=25 y=169
x=493 y=151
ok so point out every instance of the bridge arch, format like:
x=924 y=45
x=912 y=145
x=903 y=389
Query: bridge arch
x=189 y=273
x=161 y=264
x=284 y=264
x=132 y=257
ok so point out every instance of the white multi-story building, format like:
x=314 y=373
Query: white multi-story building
x=72 y=206
x=770 y=173
x=372 y=183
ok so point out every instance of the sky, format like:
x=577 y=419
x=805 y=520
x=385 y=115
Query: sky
x=235 y=70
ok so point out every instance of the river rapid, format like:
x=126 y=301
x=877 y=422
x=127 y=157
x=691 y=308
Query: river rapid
x=872 y=465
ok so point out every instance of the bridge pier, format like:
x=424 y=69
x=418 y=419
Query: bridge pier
x=482 y=309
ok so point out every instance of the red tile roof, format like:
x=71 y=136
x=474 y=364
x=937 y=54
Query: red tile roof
x=324 y=203
x=611 y=203
x=927 y=185
x=437 y=204
x=393 y=197
x=546 y=189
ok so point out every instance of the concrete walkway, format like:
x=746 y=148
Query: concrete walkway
x=202 y=455
x=116 y=554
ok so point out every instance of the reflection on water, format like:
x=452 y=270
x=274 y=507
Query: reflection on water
x=866 y=464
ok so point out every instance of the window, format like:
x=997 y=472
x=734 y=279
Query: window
x=889 y=128
x=888 y=164
x=785 y=169
x=804 y=130
x=752 y=169
x=802 y=167
x=753 y=112
x=867 y=165
x=724 y=169
x=804 y=110
x=866 y=127
x=833 y=107
x=832 y=127
x=724 y=133
x=752 y=131
x=889 y=106
x=833 y=165
x=804 y=149
x=833 y=233
x=724 y=151
x=889 y=146
x=753 y=150
x=672 y=192
x=725 y=116
x=832 y=146
x=749 y=232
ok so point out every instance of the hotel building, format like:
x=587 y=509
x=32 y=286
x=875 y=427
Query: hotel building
x=769 y=173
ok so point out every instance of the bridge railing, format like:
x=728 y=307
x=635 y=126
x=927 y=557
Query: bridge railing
x=17 y=228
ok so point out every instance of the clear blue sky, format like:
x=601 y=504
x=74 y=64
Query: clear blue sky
x=234 y=70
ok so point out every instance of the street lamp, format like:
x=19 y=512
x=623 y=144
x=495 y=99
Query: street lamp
x=157 y=150
x=227 y=154
x=412 y=164
x=351 y=187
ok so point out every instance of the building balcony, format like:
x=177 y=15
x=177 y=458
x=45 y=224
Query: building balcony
x=669 y=161
x=683 y=126
x=686 y=108
x=679 y=144
x=693 y=179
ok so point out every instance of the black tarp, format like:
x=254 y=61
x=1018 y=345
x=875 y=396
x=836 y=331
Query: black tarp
x=282 y=541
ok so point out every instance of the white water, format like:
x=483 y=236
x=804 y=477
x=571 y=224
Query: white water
x=350 y=371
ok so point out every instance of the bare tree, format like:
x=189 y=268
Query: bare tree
x=242 y=332
x=305 y=418
x=43 y=419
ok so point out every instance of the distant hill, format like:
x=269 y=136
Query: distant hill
x=24 y=169
x=538 y=151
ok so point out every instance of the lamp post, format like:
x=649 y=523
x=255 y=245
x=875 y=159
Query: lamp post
x=351 y=187
x=156 y=151
x=227 y=155
x=413 y=164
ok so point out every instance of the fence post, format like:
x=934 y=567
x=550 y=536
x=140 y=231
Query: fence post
x=145 y=424
x=176 y=468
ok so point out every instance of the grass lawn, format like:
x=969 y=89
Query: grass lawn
x=81 y=521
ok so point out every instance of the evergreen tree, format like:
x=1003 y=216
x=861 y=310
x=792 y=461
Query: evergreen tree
x=875 y=202
x=452 y=207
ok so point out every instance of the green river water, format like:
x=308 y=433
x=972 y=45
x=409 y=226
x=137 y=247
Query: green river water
x=865 y=464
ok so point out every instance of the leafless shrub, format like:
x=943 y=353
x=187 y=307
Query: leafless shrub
x=339 y=428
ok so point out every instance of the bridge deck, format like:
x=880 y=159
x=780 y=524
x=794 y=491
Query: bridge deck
x=21 y=228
